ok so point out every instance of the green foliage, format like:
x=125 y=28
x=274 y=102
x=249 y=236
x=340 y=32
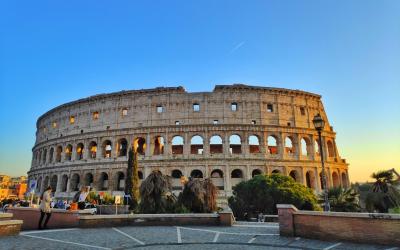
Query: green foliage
x=395 y=210
x=199 y=196
x=383 y=195
x=108 y=199
x=263 y=192
x=343 y=200
x=132 y=179
x=156 y=194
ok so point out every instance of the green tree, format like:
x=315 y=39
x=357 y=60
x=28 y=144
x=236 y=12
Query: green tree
x=263 y=192
x=343 y=200
x=132 y=180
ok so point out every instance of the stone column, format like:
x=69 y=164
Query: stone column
x=148 y=145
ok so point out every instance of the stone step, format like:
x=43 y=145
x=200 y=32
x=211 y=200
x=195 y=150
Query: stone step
x=10 y=227
x=5 y=216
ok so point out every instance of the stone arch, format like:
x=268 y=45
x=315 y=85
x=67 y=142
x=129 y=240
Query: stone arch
x=75 y=180
x=158 y=145
x=289 y=145
x=79 y=151
x=122 y=147
x=176 y=174
x=235 y=144
x=58 y=153
x=88 y=181
x=272 y=144
x=216 y=146
x=217 y=173
x=331 y=148
x=107 y=149
x=139 y=145
x=344 y=180
x=256 y=172
x=53 y=183
x=335 y=180
x=103 y=181
x=177 y=145
x=310 y=179
x=237 y=173
x=276 y=171
x=44 y=156
x=217 y=178
x=51 y=156
x=120 y=181
x=295 y=175
x=68 y=152
x=39 y=155
x=64 y=183
x=46 y=183
x=305 y=146
x=254 y=144
x=39 y=185
x=196 y=173
x=93 y=149
x=196 y=145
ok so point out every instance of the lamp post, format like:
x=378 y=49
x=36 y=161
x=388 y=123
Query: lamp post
x=319 y=125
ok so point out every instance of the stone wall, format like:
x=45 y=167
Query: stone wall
x=369 y=228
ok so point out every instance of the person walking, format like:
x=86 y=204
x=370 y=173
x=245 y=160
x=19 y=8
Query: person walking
x=45 y=208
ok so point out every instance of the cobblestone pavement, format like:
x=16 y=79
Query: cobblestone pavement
x=240 y=236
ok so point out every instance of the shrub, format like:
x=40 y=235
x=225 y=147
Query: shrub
x=199 y=196
x=263 y=192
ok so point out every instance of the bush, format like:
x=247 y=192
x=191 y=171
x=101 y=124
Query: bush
x=263 y=192
x=199 y=196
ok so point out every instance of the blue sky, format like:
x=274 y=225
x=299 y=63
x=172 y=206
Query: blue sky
x=52 y=52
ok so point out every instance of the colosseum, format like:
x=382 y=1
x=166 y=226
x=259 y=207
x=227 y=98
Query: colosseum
x=229 y=134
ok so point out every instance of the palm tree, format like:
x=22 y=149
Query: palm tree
x=343 y=200
x=384 y=190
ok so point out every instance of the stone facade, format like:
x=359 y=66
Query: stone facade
x=229 y=134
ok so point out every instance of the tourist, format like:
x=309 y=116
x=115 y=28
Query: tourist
x=45 y=207
x=80 y=197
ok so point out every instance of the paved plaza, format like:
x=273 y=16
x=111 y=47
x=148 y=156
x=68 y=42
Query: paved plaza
x=240 y=236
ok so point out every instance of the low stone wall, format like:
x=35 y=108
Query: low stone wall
x=224 y=219
x=112 y=209
x=9 y=227
x=371 y=228
x=60 y=218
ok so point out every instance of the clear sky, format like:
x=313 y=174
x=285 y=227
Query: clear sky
x=52 y=52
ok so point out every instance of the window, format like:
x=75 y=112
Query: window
x=270 y=108
x=54 y=124
x=159 y=109
x=196 y=107
x=234 y=106
x=302 y=111
x=289 y=124
x=177 y=123
x=71 y=119
x=124 y=112
x=95 y=115
x=253 y=122
x=215 y=122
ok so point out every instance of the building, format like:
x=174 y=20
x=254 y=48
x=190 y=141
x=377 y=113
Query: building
x=229 y=134
x=12 y=187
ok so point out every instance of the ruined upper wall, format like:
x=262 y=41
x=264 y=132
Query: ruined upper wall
x=291 y=108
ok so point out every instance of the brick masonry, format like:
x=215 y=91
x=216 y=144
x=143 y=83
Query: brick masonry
x=354 y=227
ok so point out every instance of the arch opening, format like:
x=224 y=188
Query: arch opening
x=196 y=145
x=107 y=149
x=289 y=148
x=254 y=144
x=139 y=145
x=158 y=146
x=122 y=147
x=235 y=144
x=177 y=145
x=93 y=149
x=75 y=179
x=103 y=182
x=79 y=151
x=272 y=145
x=64 y=183
x=196 y=174
x=216 y=145
x=256 y=172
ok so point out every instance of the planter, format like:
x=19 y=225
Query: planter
x=111 y=209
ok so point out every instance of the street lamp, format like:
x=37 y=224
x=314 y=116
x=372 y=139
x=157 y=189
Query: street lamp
x=319 y=125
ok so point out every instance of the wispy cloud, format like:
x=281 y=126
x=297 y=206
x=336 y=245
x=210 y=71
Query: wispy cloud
x=238 y=46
